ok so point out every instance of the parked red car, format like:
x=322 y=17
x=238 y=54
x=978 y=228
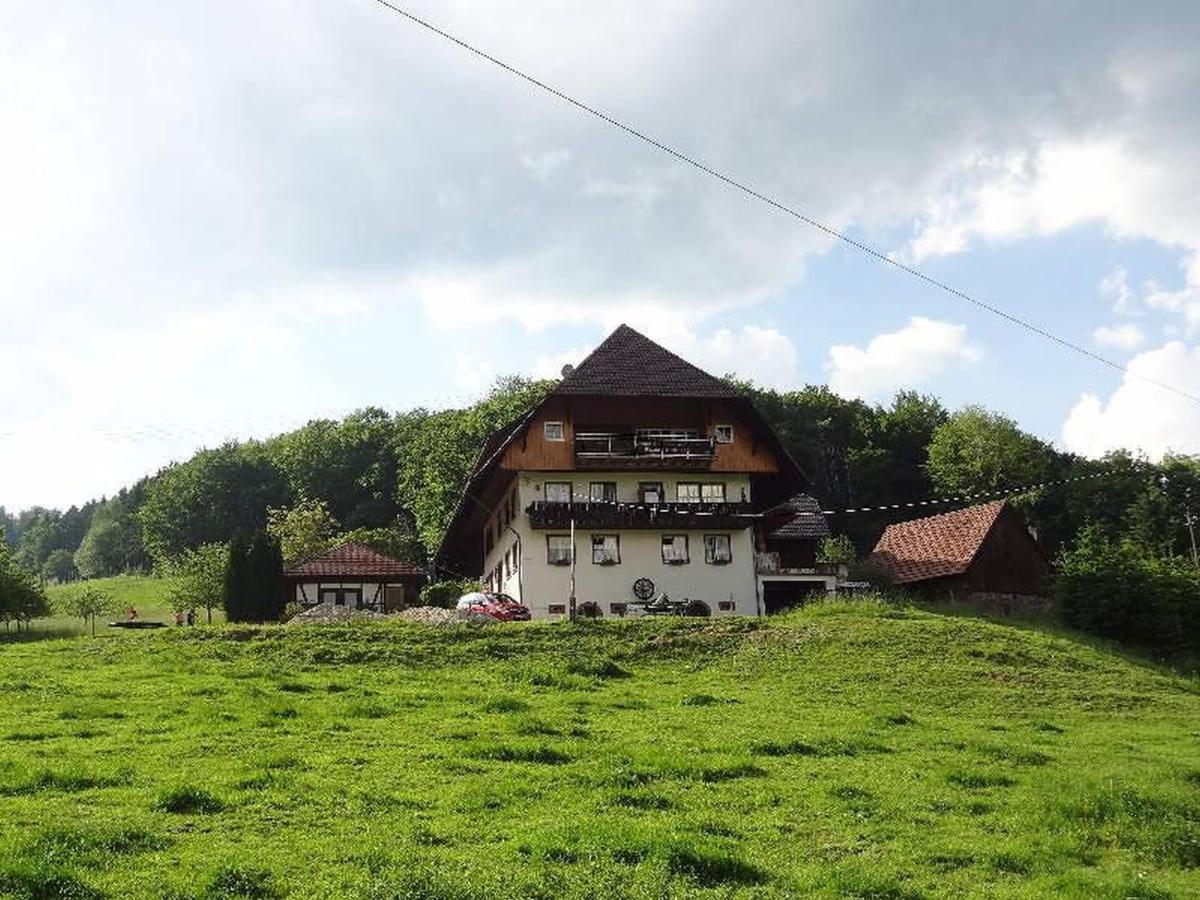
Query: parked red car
x=498 y=606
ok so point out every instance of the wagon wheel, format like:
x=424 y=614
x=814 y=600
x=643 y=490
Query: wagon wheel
x=643 y=589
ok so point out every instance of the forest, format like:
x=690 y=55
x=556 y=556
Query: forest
x=393 y=479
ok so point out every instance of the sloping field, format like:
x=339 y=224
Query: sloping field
x=844 y=751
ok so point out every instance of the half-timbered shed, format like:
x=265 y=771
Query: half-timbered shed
x=355 y=576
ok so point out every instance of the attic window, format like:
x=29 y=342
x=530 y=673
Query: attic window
x=723 y=434
x=554 y=431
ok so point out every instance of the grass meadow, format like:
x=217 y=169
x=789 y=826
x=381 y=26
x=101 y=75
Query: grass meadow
x=144 y=592
x=846 y=750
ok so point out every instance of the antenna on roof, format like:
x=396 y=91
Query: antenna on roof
x=567 y=370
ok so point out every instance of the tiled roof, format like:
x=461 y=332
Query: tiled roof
x=629 y=364
x=350 y=561
x=936 y=546
x=806 y=522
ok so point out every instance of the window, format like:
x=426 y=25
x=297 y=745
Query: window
x=723 y=434
x=558 y=549
x=606 y=549
x=558 y=492
x=725 y=605
x=617 y=609
x=674 y=549
x=712 y=493
x=557 y=609
x=507 y=563
x=554 y=431
x=716 y=549
x=650 y=492
x=516 y=555
x=602 y=492
x=687 y=492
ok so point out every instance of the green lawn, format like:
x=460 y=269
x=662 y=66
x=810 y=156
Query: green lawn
x=144 y=592
x=843 y=751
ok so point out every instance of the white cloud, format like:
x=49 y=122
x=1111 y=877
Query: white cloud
x=1140 y=415
x=899 y=359
x=1115 y=287
x=1186 y=300
x=1123 y=337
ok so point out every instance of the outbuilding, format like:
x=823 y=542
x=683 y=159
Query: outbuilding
x=983 y=552
x=355 y=576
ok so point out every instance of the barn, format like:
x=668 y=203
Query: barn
x=983 y=552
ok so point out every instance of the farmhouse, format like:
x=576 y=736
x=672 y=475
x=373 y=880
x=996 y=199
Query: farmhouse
x=355 y=576
x=639 y=476
x=981 y=552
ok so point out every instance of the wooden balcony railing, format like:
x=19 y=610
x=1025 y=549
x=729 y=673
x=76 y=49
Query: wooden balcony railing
x=597 y=449
x=725 y=516
x=769 y=564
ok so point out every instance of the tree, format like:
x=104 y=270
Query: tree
x=199 y=577
x=21 y=597
x=977 y=451
x=59 y=566
x=208 y=498
x=254 y=580
x=87 y=603
x=302 y=530
x=113 y=541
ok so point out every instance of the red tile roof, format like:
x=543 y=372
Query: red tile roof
x=936 y=546
x=351 y=561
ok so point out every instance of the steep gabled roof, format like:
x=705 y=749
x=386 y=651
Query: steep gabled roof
x=801 y=517
x=629 y=364
x=350 y=561
x=936 y=546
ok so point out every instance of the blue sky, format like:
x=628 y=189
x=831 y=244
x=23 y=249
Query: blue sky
x=222 y=220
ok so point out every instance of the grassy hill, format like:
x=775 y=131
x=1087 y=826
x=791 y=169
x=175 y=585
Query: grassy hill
x=144 y=592
x=843 y=751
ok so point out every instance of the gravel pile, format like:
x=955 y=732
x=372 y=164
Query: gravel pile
x=424 y=615
x=431 y=615
x=327 y=612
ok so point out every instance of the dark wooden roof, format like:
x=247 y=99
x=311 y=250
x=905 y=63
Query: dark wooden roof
x=802 y=519
x=629 y=364
x=351 y=561
x=935 y=546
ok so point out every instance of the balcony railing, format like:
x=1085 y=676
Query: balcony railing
x=769 y=564
x=643 y=449
x=549 y=515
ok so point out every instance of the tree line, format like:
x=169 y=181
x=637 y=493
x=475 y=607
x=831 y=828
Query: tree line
x=392 y=481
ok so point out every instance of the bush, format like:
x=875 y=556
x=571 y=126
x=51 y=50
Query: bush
x=1119 y=590
x=443 y=594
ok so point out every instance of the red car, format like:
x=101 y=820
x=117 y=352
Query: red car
x=498 y=606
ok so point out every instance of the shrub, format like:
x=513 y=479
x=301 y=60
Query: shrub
x=443 y=594
x=1118 y=590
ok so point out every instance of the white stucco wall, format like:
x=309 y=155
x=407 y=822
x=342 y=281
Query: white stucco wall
x=310 y=593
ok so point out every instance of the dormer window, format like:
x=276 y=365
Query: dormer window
x=554 y=431
x=723 y=434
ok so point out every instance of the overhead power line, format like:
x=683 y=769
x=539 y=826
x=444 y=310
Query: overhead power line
x=971 y=498
x=780 y=205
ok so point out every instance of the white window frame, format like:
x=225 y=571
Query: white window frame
x=680 y=485
x=570 y=491
x=592 y=485
x=710 y=556
x=554 y=561
x=727 y=430
x=673 y=559
x=706 y=487
x=550 y=427
x=613 y=559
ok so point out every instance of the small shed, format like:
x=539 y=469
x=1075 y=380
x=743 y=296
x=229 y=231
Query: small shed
x=355 y=576
x=981 y=552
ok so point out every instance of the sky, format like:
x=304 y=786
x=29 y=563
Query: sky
x=221 y=220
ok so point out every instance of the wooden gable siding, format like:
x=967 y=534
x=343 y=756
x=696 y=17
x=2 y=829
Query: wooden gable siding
x=531 y=450
x=1009 y=561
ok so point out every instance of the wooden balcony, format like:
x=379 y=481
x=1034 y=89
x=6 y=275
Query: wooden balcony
x=643 y=450
x=717 y=516
x=768 y=564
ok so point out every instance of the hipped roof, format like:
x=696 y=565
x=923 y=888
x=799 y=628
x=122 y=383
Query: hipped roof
x=935 y=546
x=351 y=561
